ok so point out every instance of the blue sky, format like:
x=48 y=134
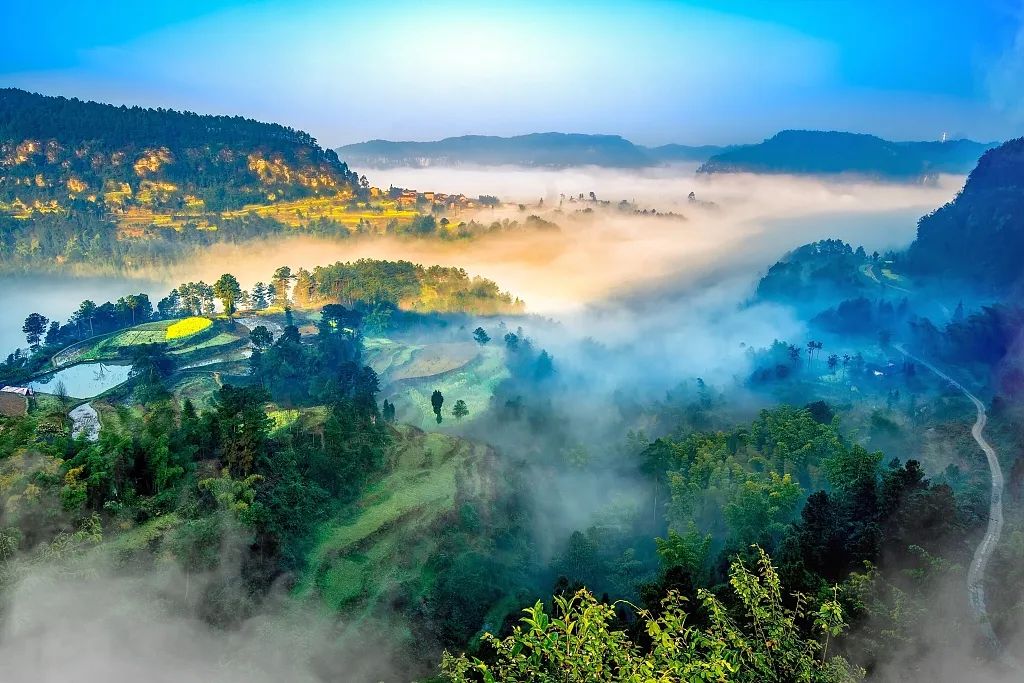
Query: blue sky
x=653 y=71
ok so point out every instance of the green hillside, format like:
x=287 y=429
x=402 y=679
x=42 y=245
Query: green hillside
x=979 y=236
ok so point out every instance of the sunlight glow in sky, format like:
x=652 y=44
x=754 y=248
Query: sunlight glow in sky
x=653 y=71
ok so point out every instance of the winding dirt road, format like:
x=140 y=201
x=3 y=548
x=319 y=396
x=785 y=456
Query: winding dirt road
x=983 y=553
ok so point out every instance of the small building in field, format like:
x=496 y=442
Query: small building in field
x=13 y=404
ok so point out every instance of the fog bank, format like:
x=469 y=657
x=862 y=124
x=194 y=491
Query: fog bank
x=606 y=250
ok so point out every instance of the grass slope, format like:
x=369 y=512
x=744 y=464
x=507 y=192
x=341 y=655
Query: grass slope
x=410 y=373
x=384 y=539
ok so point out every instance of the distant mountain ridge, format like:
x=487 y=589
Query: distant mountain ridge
x=787 y=152
x=812 y=152
x=546 y=150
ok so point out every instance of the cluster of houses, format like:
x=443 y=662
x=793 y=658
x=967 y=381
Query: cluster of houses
x=14 y=401
x=412 y=198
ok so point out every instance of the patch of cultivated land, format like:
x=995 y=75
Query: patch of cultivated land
x=385 y=538
x=460 y=370
x=435 y=359
x=383 y=354
x=219 y=339
x=119 y=344
x=196 y=386
x=147 y=333
x=474 y=383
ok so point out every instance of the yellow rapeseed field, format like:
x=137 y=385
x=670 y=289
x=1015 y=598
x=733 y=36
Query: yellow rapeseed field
x=187 y=327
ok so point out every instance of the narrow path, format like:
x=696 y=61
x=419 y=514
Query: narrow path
x=983 y=553
x=868 y=270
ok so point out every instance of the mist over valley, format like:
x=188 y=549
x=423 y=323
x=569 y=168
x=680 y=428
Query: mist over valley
x=469 y=403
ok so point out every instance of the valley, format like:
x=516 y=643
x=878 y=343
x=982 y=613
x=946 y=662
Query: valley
x=522 y=344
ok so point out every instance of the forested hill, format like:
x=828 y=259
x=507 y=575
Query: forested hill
x=551 y=150
x=831 y=152
x=979 y=236
x=58 y=154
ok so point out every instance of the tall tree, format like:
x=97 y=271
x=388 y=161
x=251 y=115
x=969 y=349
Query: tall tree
x=436 y=401
x=52 y=333
x=34 y=329
x=305 y=289
x=170 y=305
x=259 y=296
x=281 y=280
x=227 y=289
x=86 y=313
x=261 y=337
x=244 y=426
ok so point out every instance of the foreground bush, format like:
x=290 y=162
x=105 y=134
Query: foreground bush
x=759 y=641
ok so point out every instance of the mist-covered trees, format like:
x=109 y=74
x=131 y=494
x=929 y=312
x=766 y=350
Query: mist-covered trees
x=281 y=282
x=400 y=284
x=135 y=308
x=814 y=271
x=259 y=296
x=756 y=476
x=196 y=298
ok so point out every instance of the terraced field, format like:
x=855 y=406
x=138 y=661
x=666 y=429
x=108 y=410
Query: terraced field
x=220 y=339
x=113 y=346
x=119 y=344
x=436 y=359
x=384 y=355
x=460 y=370
x=198 y=387
x=385 y=538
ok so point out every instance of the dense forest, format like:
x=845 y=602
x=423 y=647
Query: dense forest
x=976 y=237
x=401 y=284
x=68 y=154
x=94 y=186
